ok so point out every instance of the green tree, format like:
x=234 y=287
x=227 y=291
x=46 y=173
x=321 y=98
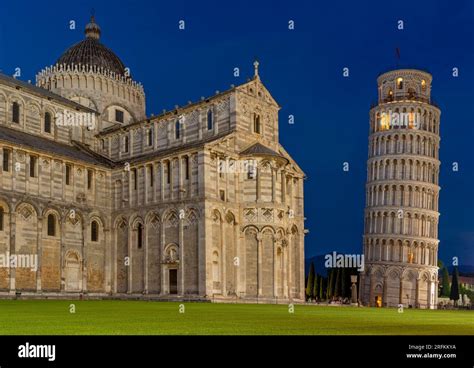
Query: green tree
x=322 y=293
x=316 y=286
x=310 y=282
x=337 y=286
x=329 y=283
x=454 y=295
x=343 y=282
x=332 y=283
x=446 y=290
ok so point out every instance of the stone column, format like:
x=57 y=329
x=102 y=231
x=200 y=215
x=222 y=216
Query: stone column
x=145 y=259
x=283 y=187
x=275 y=269
x=108 y=261
x=155 y=180
x=114 y=260
x=258 y=196
x=181 y=290
x=130 y=262
x=84 y=255
x=385 y=292
x=273 y=185
x=290 y=268
x=237 y=267
x=285 y=269
x=180 y=177
x=12 y=251
x=430 y=291
x=164 y=289
x=223 y=257
x=400 y=298
x=259 y=264
x=63 y=250
x=39 y=253
x=146 y=183
x=417 y=293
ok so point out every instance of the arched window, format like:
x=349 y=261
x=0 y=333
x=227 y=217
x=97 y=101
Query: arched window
x=139 y=236
x=400 y=83
x=15 y=112
x=209 y=120
x=47 y=122
x=1 y=218
x=177 y=127
x=94 y=231
x=256 y=123
x=423 y=85
x=51 y=225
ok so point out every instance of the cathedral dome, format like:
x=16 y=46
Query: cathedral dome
x=91 y=52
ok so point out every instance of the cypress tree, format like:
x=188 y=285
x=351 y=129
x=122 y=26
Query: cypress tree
x=337 y=286
x=446 y=290
x=316 y=286
x=322 y=294
x=328 y=285
x=343 y=282
x=454 y=295
x=332 y=285
x=310 y=282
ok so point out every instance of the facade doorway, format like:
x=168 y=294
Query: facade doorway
x=72 y=272
x=173 y=281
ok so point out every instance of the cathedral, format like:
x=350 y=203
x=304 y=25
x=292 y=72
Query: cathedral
x=402 y=193
x=97 y=199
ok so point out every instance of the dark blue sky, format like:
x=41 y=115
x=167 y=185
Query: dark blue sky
x=302 y=69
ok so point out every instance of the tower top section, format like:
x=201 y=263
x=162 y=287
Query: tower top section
x=403 y=85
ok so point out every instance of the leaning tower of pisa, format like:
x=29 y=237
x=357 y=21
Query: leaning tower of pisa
x=402 y=191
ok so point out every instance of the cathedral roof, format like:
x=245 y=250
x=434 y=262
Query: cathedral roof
x=35 y=142
x=259 y=149
x=91 y=51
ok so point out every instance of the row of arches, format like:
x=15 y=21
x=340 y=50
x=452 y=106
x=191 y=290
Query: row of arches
x=18 y=111
x=52 y=219
x=394 y=143
x=157 y=252
x=68 y=243
x=400 y=251
x=403 y=169
x=426 y=119
x=94 y=82
x=157 y=181
x=401 y=222
x=268 y=259
x=402 y=196
x=391 y=286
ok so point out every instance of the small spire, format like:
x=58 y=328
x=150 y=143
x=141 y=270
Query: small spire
x=255 y=66
x=92 y=28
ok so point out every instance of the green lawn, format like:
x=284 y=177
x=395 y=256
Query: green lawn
x=141 y=317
